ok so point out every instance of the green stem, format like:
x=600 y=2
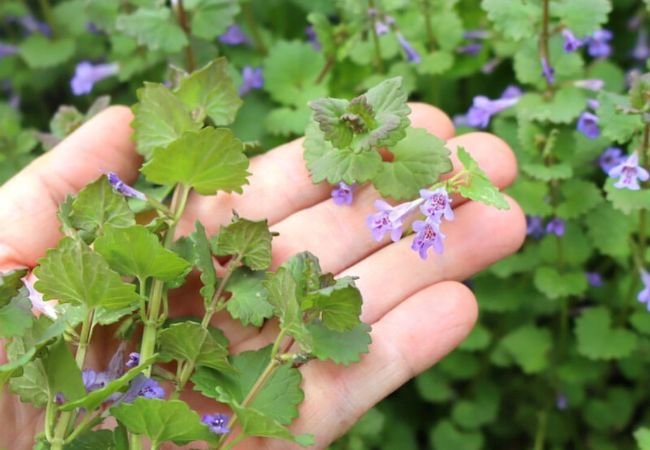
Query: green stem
x=249 y=17
x=375 y=37
x=66 y=418
x=426 y=10
x=273 y=364
x=181 y=15
x=329 y=63
x=544 y=53
x=540 y=435
x=86 y=424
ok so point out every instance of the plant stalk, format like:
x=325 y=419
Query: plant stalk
x=375 y=37
x=181 y=15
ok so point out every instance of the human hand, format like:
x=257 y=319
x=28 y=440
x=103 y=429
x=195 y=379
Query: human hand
x=419 y=310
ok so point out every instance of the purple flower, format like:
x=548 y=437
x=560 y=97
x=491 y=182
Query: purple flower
x=592 y=84
x=641 y=50
x=470 y=49
x=390 y=219
x=593 y=104
x=7 y=50
x=534 y=226
x=610 y=158
x=31 y=25
x=312 y=38
x=342 y=195
x=483 y=109
x=561 y=402
x=644 y=295
x=133 y=360
x=460 y=120
x=234 y=36
x=252 y=78
x=594 y=279
x=548 y=71
x=598 y=44
x=141 y=386
x=555 y=226
x=218 y=423
x=59 y=398
x=123 y=188
x=630 y=173
x=588 y=125
x=491 y=65
x=411 y=54
x=87 y=74
x=427 y=235
x=437 y=205
x=511 y=91
x=476 y=34
x=571 y=42
x=94 y=380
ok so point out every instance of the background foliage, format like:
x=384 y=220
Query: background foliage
x=555 y=362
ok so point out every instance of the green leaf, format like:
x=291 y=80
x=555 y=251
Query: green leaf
x=446 y=436
x=478 y=339
x=531 y=195
x=559 y=171
x=15 y=318
x=287 y=121
x=210 y=18
x=555 y=284
x=137 y=251
x=98 y=205
x=627 y=200
x=255 y=423
x=478 y=412
x=387 y=102
x=65 y=121
x=515 y=19
x=614 y=124
x=283 y=295
x=93 y=440
x=290 y=73
x=246 y=240
x=94 y=399
x=160 y=118
x=325 y=162
x=642 y=436
x=31 y=385
x=203 y=261
x=572 y=13
x=337 y=307
x=579 y=197
x=209 y=160
x=478 y=186
x=163 y=420
x=306 y=271
x=563 y=107
x=188 y=341
x=419 y=160
x=598 y=340
x=63 y=374
x=73 y=273
x=342 y=348
x=529 y=346
x=278 y=398
x=40 y=52
x=436 y=63
x=210 y=90
x=154 y=28
x=433 y=387
x=10 y=284
x=248 y=302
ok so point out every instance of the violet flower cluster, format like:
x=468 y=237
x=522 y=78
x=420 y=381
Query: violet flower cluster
x=482 y=109
x=535 y=227
x=87 y=74
x=385 y=26
x=434 y=204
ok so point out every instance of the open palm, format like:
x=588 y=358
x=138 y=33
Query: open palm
x=419 y=310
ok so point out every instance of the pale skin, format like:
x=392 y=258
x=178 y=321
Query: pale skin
x=419 y=310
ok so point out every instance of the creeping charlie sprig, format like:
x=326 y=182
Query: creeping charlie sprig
x=369 y=139
x=116 y=267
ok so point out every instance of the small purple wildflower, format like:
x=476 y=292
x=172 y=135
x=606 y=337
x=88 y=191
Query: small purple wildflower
x=390 y=219
x=644 y=295
x=7 y=50
x=598 y=44
x=141 y=386
x=630 y=173
x=411 y=54
x=548 y=71
x=94 y=380
x=312 y=38
x=59 y=398
x=133 y=360
x=342 y=194
x=252 y=78
x=594 y=279
x=218 y=423
x=641 y=50
x=123 y=188
x=588 y=125
x=491 y=65
x=511 y=91
x=592 y=84
x=561 y=402
x=31 y=25
x=427 y=235
x=470 y=49
x=234 y=36
x=610 y=158
x=437 y=204
x=476 y=34
x=460 y=120
x=593 y=104
x=534 y=226
x=87 y=74
x=483 y=109
x=571 y=42
x=555 y=226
